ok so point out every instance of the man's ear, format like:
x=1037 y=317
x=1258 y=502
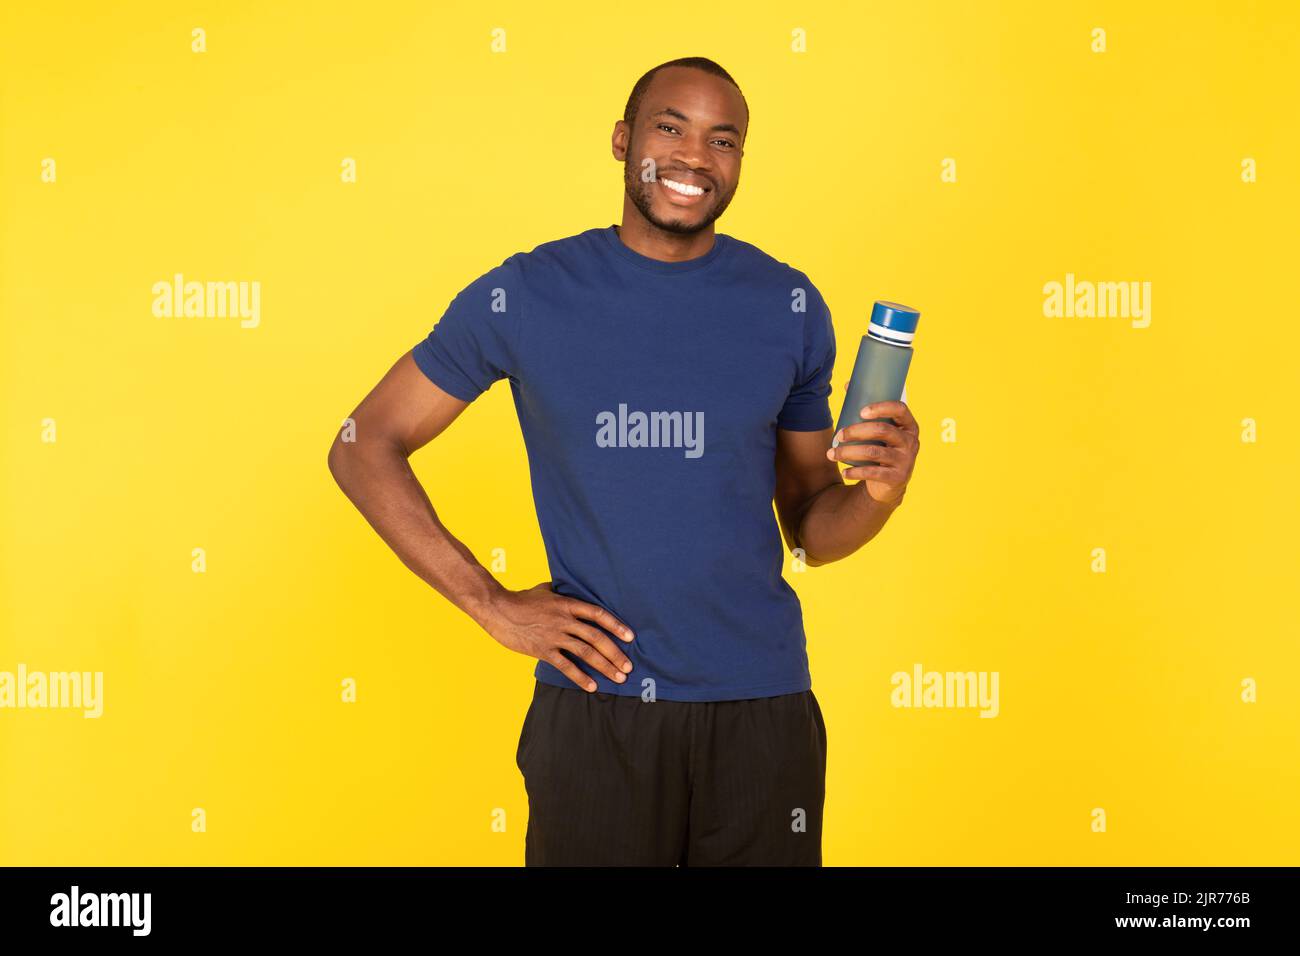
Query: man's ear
x=619 y=140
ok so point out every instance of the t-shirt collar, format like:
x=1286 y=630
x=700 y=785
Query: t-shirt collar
x=720 y=241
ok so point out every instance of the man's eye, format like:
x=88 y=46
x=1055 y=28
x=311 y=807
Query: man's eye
x=668 y=126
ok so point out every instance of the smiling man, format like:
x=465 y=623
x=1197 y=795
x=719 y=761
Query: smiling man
x=673 y=720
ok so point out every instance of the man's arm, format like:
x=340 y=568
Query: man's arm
x=402 y=414
x=816 y=510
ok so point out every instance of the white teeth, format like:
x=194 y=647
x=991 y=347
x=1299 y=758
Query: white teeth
x=683 y=188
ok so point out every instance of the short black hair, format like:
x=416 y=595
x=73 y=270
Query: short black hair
x=695 y=62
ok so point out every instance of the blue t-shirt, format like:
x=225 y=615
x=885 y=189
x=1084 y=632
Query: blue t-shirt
x=649 y=394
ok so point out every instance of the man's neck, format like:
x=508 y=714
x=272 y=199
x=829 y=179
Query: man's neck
x=654 y=243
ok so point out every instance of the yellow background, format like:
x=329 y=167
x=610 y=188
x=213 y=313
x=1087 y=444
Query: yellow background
x=222 y=690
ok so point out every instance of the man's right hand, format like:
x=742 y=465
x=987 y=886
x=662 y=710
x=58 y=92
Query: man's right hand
x=540 y=623
x=402 y=414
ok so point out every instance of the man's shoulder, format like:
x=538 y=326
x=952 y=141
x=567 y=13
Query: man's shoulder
x=555 y=253
x=757 y=263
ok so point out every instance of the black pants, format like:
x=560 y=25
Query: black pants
x=616 y=781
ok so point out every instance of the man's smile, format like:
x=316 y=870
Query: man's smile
x=681 y=193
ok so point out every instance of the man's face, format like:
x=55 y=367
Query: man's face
x=689 y=130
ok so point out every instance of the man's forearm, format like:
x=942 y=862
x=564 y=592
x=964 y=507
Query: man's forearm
x=839 y=520
x=377 y=478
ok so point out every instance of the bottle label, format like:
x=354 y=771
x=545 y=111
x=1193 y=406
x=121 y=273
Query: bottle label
x=883 y=333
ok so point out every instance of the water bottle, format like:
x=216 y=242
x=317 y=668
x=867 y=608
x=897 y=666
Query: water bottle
x=881 y=367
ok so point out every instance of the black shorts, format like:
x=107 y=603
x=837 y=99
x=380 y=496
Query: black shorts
x=616 y=781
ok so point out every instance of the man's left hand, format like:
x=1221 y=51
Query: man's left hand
x=887 y=480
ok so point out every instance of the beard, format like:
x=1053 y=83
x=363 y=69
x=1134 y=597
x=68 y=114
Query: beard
x=685 y=223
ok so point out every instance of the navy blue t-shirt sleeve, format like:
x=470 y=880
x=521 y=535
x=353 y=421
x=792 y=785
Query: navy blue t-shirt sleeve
x=475 y=343
x=808 y=407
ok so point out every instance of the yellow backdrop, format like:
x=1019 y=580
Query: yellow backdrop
x=1103 y=511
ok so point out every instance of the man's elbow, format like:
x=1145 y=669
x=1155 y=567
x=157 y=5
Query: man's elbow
x=333 y=460
x=347 y=454
x=338 y=459
x=809 y=561
x=800 y=554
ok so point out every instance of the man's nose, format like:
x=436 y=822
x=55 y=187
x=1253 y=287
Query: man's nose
x=692 y=152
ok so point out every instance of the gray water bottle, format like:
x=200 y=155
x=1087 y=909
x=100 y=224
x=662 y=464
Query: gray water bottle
x=881 y=367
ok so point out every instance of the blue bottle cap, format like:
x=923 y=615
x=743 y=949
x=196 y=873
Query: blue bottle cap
x=893 y=323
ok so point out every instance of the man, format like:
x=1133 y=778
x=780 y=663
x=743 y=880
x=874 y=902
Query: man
x=671 y=383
